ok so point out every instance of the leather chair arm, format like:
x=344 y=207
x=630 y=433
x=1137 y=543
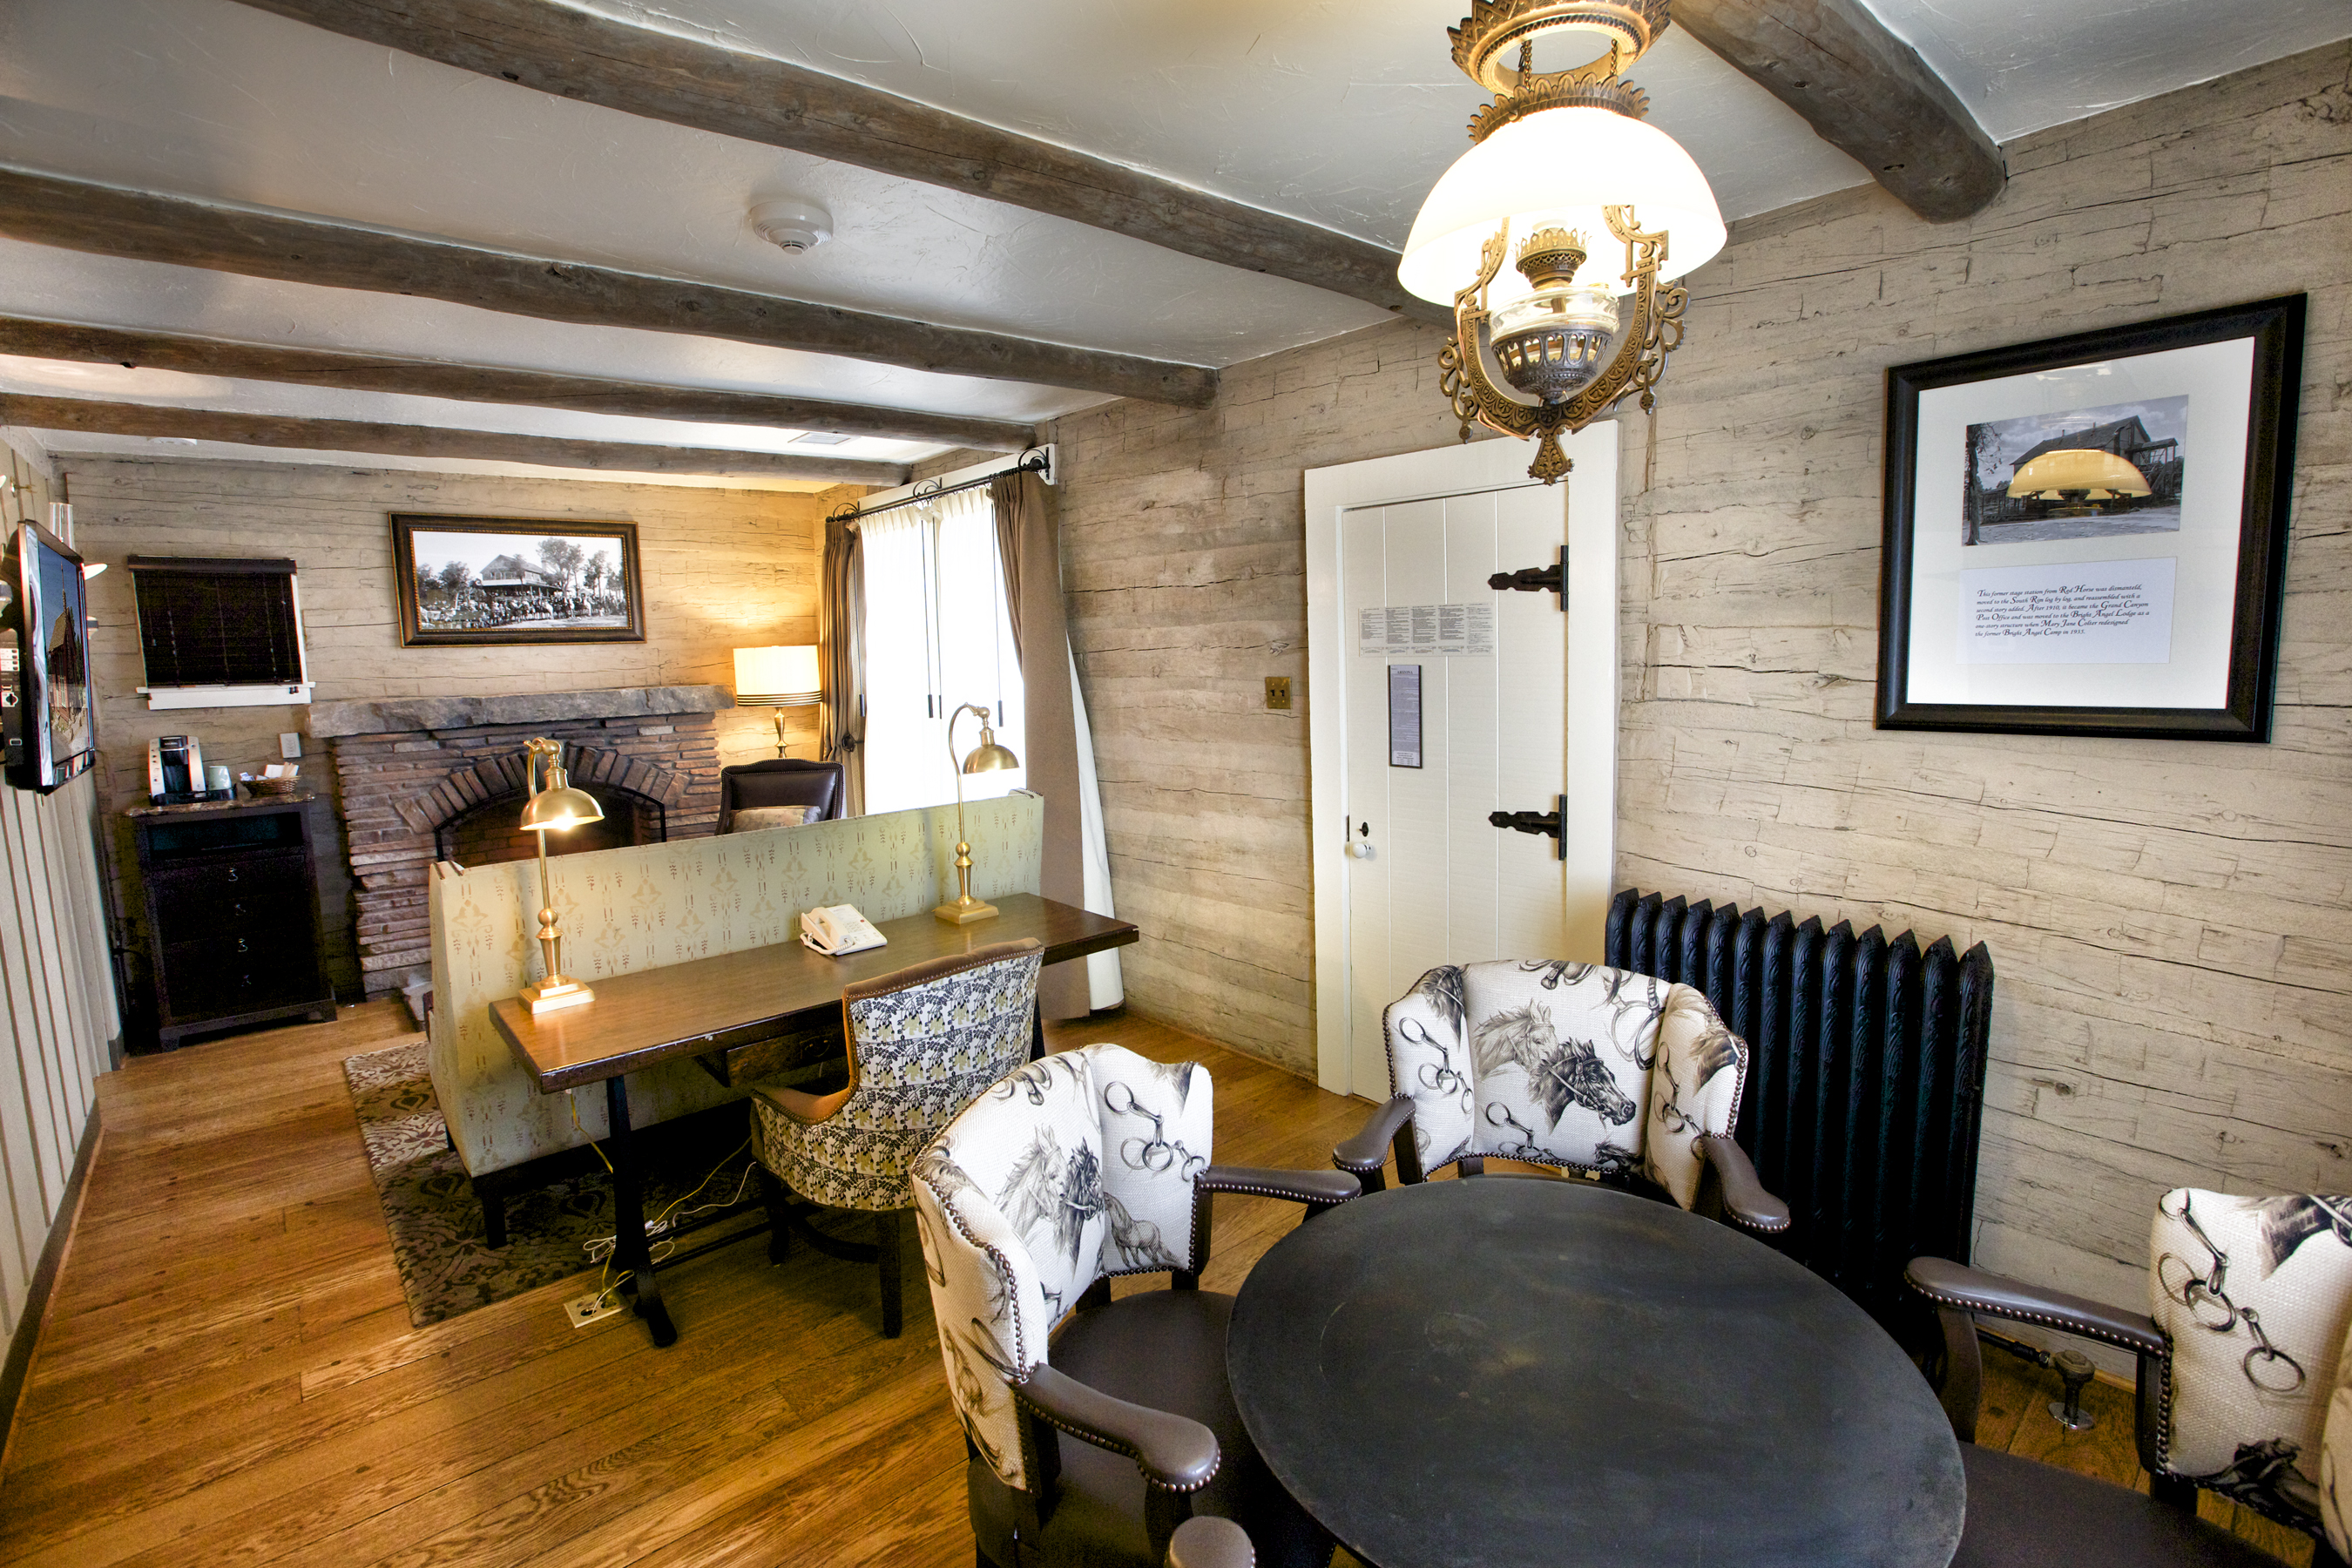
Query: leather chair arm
x=1956 y=1288
x=1174 y=1453
x=1366 y=1150
x=1316 y=1189
x=801 y=1106
x=1745 y=1202
x=1208 y=1542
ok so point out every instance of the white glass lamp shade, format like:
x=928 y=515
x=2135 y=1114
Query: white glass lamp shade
x=777 y=677
x=1556 y=169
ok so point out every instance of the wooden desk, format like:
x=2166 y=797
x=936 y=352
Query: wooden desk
x=712 y=1006
x=722 y=1009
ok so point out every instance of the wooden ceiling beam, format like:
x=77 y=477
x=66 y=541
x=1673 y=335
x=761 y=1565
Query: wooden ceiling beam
x=197 y=355
x=578 y=54
x=1865 y=91
x=109 y=220
x=90 y=417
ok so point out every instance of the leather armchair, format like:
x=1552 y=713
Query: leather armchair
x=923 y=1043
x=1096 y=1428
x=1601 y=1071
x=2250 y=1299
x=782 y=781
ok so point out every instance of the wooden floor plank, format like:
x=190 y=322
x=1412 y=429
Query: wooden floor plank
x=228 y=1374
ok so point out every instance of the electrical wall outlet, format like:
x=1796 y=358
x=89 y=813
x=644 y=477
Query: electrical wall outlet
x=1277 y=691
x=290 y=745
x=585 y=1309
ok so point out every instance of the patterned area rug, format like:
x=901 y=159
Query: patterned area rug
x=436 y=1225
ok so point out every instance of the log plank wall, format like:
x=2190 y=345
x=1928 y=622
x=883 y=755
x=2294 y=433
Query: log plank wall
x=2174 y=1001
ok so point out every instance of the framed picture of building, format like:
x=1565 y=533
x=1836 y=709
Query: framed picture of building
x=485 y=581
x=2088 y=535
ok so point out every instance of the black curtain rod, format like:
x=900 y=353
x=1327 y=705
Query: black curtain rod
x=1032 y=461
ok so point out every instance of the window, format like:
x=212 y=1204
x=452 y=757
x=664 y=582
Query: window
x=937 y=636
x=217 y=633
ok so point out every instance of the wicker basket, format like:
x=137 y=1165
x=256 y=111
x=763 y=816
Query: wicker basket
x=266 y=788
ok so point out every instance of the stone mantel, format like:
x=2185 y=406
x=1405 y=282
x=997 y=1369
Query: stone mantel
x=413 y=715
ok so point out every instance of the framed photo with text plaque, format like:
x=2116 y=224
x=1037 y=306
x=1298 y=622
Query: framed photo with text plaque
x=2088 y=535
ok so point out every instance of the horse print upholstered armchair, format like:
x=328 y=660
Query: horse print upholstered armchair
x=924 y=1041
x=1080 y=1167
x=2244 y=1390
x=1607 y=1073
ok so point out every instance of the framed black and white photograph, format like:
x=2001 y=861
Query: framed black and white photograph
x=2088 y=535
x=484 y=581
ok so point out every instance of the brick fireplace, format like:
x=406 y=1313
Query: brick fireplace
x=428 y=778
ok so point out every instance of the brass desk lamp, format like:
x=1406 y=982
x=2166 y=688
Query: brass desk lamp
x=554 y=808
x=985 y=758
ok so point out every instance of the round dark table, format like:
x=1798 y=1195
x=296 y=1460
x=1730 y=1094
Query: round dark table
x=1501 y=1371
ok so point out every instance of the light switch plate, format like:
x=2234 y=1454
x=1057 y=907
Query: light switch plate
x=290 y=745
x=1277 y=691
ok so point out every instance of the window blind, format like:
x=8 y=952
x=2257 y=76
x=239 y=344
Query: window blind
x=217 y=622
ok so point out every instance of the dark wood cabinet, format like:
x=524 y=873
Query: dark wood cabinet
x=232 y=915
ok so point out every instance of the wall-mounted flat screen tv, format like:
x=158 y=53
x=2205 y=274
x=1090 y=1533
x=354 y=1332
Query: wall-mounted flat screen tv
x=52 y=730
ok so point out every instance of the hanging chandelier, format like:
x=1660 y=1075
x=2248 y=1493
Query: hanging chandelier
x=1561 y=167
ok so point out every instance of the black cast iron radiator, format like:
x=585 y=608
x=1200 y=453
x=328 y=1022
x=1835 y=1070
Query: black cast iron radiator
x=1866 y=1081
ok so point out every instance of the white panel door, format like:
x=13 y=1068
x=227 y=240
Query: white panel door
x=1429 y=880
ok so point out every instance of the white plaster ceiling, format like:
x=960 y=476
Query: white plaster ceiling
x=1340 y=111
x=2022 y=65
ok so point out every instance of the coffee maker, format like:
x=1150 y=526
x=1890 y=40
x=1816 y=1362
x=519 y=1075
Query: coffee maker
x=176 y=771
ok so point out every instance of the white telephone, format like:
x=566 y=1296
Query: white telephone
x=839 y=930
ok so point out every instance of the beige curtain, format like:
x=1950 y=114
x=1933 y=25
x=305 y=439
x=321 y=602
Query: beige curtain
x=841 y=644
x=1005 y=491
x=1029 y=541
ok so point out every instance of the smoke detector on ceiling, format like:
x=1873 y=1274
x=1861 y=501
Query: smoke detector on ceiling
x=791 y=224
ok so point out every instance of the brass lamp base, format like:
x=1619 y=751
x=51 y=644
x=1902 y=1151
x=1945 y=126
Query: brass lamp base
x=557 y=991
x=965 y=912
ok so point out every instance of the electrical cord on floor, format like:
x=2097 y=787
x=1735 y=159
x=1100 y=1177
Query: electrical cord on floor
x=600 y=1249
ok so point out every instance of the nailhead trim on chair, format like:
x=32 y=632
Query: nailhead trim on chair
x=1020 y=1337
x=2047 y=1320
x=1105 y=1440
x=1257 y=1192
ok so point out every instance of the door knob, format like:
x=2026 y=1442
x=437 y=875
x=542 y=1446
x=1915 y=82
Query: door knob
x=1359 y=850
x=1546 y=822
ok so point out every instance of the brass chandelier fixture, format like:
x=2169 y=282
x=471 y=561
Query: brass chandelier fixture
x=1560 y=164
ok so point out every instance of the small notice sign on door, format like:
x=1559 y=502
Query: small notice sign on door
x=1404 y=715
x=1442 y=631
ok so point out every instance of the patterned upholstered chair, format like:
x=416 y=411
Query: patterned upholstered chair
x=2240 y=1355
x=1078 y=1167
x=1601 y=1071
x=923 y=1042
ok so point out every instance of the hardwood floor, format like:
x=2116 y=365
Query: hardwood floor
x=227 y=1374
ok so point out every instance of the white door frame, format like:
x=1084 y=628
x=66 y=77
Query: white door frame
x=1590 y=825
